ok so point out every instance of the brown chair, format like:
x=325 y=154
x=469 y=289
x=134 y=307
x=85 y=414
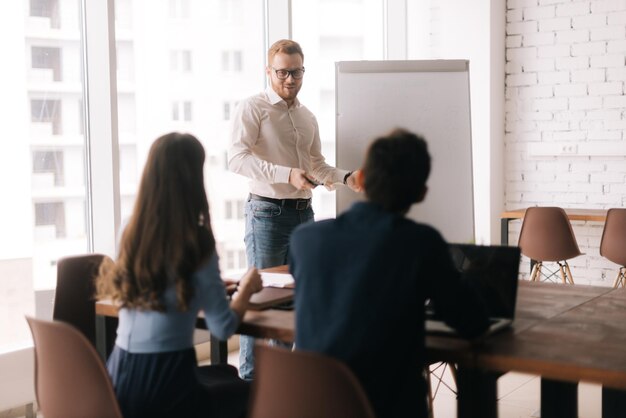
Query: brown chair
x=305 y=385
x=70 y=378
x=74 y=297
x=613 y=243
x=547 y=235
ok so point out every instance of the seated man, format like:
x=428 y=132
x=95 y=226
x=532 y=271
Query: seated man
x=362 y=280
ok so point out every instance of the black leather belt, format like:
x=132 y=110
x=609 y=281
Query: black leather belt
x=298 y=204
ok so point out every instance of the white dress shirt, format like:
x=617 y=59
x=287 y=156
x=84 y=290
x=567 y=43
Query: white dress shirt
x=268 y=138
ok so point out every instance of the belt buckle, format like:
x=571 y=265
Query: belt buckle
x=302 y=204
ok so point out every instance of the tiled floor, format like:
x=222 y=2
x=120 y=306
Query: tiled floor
x=518 y=397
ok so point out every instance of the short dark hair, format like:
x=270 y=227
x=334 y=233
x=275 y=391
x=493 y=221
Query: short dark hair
x=396 y=169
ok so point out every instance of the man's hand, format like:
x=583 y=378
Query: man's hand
x=299 y=179
x=353 y=183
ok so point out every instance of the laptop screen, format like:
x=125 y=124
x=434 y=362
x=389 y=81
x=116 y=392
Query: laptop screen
x=494 y=271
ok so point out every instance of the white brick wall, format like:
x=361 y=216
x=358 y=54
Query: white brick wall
x=566 y=82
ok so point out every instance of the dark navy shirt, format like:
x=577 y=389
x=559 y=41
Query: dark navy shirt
x=361 y=283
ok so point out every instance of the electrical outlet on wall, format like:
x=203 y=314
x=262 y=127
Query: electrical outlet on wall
x=569 y=149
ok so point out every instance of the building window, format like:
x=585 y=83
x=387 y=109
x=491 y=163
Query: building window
x=47 y=111
x=46 y=8
x=227 y=109
x=230 y=10
x=232 y=61
x=180 y=61
x=49 y=162
x=235 y=259
x=47 y=58
x=234 y=209
x=51 y=214
x=179 y=9
x=182 y=111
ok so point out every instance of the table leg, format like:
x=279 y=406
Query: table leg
x=106 y=332
x=613 y=403
x=477 y=393
x=559 y=399
x=504 y=231
x=101 y=336
x=219 y=351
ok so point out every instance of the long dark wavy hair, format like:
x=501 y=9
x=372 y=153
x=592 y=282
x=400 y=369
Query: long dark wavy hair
x=169 y=233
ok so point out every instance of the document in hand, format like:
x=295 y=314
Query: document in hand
x=277 y=279
x=270 y=297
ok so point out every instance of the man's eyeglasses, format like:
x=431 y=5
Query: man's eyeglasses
x=283 y=74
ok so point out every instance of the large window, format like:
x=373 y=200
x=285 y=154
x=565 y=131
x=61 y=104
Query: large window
x=41 y=158
x=331 y=31
x=180 y=65
x=193 y=59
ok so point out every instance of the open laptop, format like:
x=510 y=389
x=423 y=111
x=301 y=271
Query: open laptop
x=494 y=272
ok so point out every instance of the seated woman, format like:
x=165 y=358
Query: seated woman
x=167 y=271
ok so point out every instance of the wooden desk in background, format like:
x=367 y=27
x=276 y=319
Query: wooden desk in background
x=563 y=333
x=595 y=215
x=257 y=323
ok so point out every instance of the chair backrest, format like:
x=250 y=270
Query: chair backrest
x=74 y=295
x=305 y=385
x=613 y=243
x=70 y=378
x=547 y=235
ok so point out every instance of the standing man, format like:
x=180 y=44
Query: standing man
x=275 y=142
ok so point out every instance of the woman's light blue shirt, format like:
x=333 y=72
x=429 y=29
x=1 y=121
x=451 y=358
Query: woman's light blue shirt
x=143 y=331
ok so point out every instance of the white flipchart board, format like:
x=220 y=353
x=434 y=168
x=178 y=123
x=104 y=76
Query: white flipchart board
x=430 y=98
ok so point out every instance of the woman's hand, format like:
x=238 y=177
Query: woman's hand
x=251 y=282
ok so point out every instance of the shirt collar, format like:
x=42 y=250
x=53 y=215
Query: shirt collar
x=274 y=98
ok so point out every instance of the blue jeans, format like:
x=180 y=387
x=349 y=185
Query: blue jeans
x=268 y=227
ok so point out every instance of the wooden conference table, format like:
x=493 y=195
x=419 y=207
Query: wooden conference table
x=563 y=333
x=596 y=215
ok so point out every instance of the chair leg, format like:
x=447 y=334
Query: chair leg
x=453 y=373
x=432 y=373
x=536 y=273
x=431 y=398
x=539 y=267
x=569 y=273
x=619 y=280
x=562 y=270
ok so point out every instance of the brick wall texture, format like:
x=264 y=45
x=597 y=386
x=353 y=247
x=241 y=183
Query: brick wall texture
x=565 y=84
